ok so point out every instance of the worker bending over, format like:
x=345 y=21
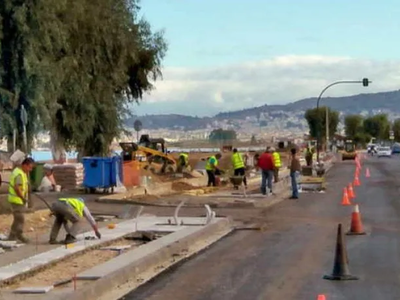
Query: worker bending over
x=18 y=198
x=212 y=169
x=73 y=210
x=277 y=163
x=239 y=166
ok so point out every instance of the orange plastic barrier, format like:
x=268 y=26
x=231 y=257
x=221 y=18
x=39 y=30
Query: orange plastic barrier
x=131 y=172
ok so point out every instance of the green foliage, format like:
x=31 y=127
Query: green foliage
x=396 y=130
x=220 y=135
x=377 y=126
x=76 y=65
x=353 y=126
x=316 y=120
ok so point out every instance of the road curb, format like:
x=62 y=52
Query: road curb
x=103 y=286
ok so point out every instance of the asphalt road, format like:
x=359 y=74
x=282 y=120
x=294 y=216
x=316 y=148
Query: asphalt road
x=289 y=259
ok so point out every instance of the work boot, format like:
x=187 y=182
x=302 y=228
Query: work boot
x=69 y=239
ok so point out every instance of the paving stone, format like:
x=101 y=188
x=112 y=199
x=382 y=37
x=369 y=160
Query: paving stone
x=44 y=258
x=2 y=251
x=33 y=290
x=3 y=237
x=128 y=258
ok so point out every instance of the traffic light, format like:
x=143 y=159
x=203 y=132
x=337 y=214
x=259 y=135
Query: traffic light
x=365 y=82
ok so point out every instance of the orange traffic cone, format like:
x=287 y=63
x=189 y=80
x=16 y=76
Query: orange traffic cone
x=356 y=181
x=321 y=297
x=367 y=174
x=350 y=190
x=357 y=172
x=345 y=198
x=356 y=227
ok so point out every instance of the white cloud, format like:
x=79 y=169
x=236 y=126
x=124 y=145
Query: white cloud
x=277 y=80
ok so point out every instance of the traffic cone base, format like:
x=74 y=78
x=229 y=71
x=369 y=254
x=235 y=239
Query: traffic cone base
x=341 y=265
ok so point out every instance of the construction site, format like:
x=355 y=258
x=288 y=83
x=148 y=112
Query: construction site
x=152 y=215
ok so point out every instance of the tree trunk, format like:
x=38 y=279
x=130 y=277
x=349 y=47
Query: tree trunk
x=57 y=148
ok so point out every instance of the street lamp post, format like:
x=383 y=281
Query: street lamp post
x=365 y=82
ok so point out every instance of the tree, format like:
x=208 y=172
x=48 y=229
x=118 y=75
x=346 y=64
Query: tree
x=316 y=121
x=353 y=126
x=76 y=65
x=377 y=126
x=224 y=136
x=396 y=130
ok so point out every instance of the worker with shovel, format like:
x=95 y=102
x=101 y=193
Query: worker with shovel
x=73 y=210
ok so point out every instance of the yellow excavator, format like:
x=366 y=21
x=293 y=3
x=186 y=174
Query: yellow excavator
x=349 y=150
x=151 y=155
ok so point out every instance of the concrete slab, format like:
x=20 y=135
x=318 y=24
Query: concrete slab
x=139 y=253
x=33 y=290
x=144 y=223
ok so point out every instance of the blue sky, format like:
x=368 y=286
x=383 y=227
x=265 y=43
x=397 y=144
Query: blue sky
x=210 y=37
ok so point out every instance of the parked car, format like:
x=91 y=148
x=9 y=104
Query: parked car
x=384 y=152
x=396 y=148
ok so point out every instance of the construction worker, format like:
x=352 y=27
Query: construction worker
x=212 y=169
x=183 y=162
x=277 y=163
x=73 y=210
x=239 y=166
x=18 y=198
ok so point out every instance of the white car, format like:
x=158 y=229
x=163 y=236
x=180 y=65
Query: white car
x=384 y=151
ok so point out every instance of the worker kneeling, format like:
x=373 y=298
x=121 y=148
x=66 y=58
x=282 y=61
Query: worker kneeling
x=73 y=210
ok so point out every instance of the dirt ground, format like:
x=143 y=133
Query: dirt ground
x=36 y=223
x=67 y=269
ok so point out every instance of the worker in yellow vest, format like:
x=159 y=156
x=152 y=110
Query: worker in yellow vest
x=212 y=169
x=73 y=210
x=183 y=162
x=239 y=166
x=18 y=198
x=277 y=163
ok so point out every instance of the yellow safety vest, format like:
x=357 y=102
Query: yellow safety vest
x=76 y=204
x=12 y=195
x=277 y=159
x=237 y=161
x=185 y=157
x=208 y=164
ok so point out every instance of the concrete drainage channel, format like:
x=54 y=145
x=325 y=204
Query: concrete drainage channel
x=127 y=256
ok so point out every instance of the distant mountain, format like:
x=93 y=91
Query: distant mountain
x=389 y=101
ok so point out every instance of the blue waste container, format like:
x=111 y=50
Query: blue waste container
x=116 y=170
x=98 y=173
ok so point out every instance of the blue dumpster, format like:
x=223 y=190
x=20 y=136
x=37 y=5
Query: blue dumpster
x=101 y=172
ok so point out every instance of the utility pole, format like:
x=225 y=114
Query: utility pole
x=327 y=128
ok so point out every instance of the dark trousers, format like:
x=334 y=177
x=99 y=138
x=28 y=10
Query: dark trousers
x=63 y=213
x=241 y=172
x=211 y=178
x=276 y=175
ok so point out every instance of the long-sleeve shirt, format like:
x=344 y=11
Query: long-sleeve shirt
x=88 y=216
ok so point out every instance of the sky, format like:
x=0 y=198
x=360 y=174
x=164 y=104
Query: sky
x=226 y=55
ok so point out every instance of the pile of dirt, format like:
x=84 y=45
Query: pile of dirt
x=182 y=186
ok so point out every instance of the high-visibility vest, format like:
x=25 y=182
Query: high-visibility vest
x=208 y=164
x=77 y=204
x=277 y=159
x=185 y=157
x=237 y=161
x=12 y=195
